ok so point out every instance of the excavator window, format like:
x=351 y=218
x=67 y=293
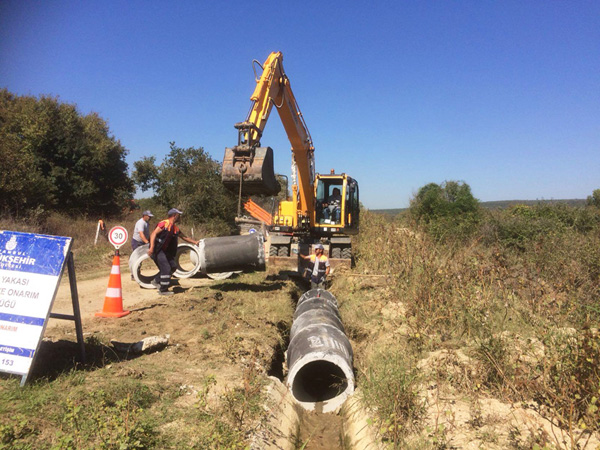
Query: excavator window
x=329 y=201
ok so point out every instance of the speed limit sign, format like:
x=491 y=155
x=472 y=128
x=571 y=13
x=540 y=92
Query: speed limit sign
x=117 y=236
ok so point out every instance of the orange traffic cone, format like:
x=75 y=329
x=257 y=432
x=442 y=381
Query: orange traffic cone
x=113 y=302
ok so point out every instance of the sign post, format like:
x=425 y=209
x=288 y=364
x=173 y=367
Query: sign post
x=31 y=267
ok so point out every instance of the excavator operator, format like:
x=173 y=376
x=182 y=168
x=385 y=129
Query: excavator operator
x=332 y=206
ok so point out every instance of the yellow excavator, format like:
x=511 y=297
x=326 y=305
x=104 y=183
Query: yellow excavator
x=322 y=208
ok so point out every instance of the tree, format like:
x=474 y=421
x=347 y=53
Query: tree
x=188 y=179
x=594 y=199
x=460 y=200
x=58 y=160
x=447 y=208
x=428 y=203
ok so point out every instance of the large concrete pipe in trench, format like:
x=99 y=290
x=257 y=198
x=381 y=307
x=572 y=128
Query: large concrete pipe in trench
x=319 y=356
x=216 y=257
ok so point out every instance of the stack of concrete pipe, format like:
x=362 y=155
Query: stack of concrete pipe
x=319 y=356
x=216 y=257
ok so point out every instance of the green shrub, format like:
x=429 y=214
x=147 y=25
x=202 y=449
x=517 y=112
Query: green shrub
x=594 y=199
x=446 y=211
x=521 y=225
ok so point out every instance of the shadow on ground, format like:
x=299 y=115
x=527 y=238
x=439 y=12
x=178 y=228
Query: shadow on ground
x=58 y=357
x=263 y=287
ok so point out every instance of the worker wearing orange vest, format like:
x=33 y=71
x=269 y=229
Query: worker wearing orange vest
x=318 y=267
x=163 y=249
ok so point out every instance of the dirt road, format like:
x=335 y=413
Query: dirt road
x=91 y=294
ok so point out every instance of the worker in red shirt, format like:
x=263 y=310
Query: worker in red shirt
x=163 y=249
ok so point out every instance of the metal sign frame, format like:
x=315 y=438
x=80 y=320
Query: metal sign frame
x=76 y=316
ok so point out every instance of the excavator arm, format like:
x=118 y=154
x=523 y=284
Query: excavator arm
x=249 y=167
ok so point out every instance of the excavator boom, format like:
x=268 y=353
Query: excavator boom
x=251 y=165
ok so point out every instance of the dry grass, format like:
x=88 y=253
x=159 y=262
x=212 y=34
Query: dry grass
x=500 y=297
x=91 y=254
x=203 y=391
x=507 y=318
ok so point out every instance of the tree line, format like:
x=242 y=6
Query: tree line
x=56 y=159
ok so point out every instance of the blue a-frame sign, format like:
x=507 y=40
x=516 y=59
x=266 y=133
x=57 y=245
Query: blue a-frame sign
x=31 y=267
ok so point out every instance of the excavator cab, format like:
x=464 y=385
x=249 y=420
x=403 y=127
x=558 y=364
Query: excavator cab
x=337 y=206
x=248 y=169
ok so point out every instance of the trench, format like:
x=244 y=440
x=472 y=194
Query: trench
x=317 y=380
x=275 y=368
x=319 y=431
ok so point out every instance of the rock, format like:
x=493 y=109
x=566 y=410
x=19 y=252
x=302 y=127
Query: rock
x=394 y=310
x=146 y=345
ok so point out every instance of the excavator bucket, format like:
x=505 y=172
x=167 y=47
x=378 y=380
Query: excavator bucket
x=255 y=166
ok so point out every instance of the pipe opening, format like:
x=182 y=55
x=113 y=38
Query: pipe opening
x=319 y=381
x=147 y=271
x=142 y=268
x=187 y=260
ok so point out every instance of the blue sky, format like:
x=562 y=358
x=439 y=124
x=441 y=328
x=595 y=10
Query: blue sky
x=502 y=95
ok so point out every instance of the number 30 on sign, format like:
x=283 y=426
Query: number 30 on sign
x=117 y=236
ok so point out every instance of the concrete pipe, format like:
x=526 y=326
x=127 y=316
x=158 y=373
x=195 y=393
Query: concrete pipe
x=232 y=253
x=188 y=264
x=187 y=259
x=217 y=257
x=319 y=356
x=136 y=259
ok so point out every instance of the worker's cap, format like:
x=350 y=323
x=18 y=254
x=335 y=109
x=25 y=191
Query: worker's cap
x=319 y=247
x=147 y=213
x=174 y=211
